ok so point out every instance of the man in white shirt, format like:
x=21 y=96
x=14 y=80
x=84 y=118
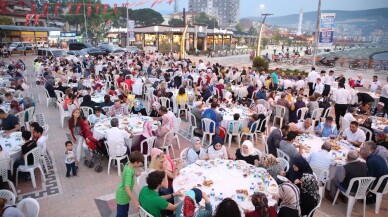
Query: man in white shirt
x=40 y=139
x=375 y=85
x=263 y=77
x=287 y=83
x=327 y=84
x=118 y=136
x=299 y=84
x=384 y=95
x=321 y=159
x=311 y=79
x=318 y=87
x=342 y=99
x=354 y=135
x=349 y=117
x=304 y=127
x=201 y=66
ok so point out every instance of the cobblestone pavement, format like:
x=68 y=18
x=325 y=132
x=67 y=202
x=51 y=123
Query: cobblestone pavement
x=91 y=194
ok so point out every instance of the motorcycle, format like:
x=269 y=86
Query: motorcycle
x=356 y=64
x=327 y=62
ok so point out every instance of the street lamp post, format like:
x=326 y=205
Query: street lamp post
x=86 y=25
x=260 y=32
x=316 y=35
x=127 y=42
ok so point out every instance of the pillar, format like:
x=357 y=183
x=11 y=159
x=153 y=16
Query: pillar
x=214 y=43
x=157 y=41
x=223 y=43
x=142 y=40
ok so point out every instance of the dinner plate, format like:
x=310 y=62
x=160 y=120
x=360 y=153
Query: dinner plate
x=199 y=162
x=282 y=178
x=16 y=134
x=272 y=190
x=16 y=148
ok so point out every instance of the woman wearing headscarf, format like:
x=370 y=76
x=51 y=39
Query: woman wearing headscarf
x=220 y=86
x=217 y=149
x=147 y=133
x=138 y=108
x=87 y=101
x=190 y=205
x=309 y=193
x=298 y=104
x=271 y=164
x=195 y=152
x=168 y=122
x=260 y=202
x=290 y=200
x=247 y=153
x=368 y=125
x=380 y=138
x=155 y=109
x=299 y=167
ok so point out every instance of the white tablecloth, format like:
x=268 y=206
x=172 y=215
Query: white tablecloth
x=228 y=113
x=137 y=87
x=190 y=93
x=12 y=144
x=226 y=180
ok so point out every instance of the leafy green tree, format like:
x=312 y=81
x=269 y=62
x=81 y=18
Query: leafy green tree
x=203 y=18
x=252 y=31
x=260 y=64
x=264 y=42
x=6 y=21
x=146 y=17
x=176 y=22
x=239 y=28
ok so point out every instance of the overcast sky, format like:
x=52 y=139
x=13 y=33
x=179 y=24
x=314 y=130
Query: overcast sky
x=278 y=7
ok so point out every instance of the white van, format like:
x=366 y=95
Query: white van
x=40 y=44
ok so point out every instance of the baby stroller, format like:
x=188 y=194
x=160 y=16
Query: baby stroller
x=98 y=150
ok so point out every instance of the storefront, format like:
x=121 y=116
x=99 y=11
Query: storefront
x=25 y=33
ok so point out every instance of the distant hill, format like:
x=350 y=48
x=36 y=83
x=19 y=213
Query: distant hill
x=379 y=14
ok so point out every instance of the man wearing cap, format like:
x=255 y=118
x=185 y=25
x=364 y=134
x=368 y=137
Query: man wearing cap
x=327 y=128
x=261 y=93
x=379 y=111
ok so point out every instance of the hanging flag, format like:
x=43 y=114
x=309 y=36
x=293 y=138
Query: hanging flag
x=33 y=8
x=79 y=5
x=89 y=9
x=156 y=2
x=3 y=6
x=98 y=8
x=36 y=19
x=105 y=8
x=56 y=9
x=115 y=8
x=170 y=1
x=69 y=7
x=21 y=3
x=28 y=16
x=45 y=8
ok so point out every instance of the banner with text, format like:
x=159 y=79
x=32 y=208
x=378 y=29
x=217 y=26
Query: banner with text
x=326 y=30
x=131 y=30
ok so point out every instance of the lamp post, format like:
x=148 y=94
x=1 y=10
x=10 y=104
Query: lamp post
x=86 y=25
x=127 y=41
x=316 y=35
x=260 y=32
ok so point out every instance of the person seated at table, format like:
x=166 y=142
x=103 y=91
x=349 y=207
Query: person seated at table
x=168 y=125
x=377 y=149
x=260 y=202
x=217 y=149
x=258 y=108
x=353 y=134
x=118 y=136
x=247 y=153
x=228 y=98
x=214 y=115
x=98 y=115
x=354 y=168
x=138 y=108
x=288 y=147
x=304 y=127
x=349 y=117
x=87 y=101
x=227 y=208
x=6 y=209
x=299 y=167
x=364 y=98
x=89 y=91
x=271 y=164
x=312 y=105
x=155 y=110
x=15 y=108
x=284 y=102
x=147 y=133
x=321 y=158
x=236 y=117
x=28 y=145
x=40 y=139
x=117 y=109
x=190 y=205
x=368 y=125
x=309 y=193
x=289 y=195
x=379 y=111
x=98 y=90
x=182 y=95
x=196 y=152
x=9 y=123
x=327 y=128
x=8 y=97
x=197 y=112
x=107 y=102
x=261 y=94
x=149 y=198
x=298 y=104
x=364 y=109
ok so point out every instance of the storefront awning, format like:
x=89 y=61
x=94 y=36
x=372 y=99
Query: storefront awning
x=112 y=35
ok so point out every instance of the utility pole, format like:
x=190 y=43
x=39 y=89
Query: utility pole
x=260 y=32
x=316 y=35
x=86 y=25
x=127 y=41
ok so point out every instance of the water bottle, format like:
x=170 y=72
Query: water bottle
x=212 y=193
x=252 y=187
x=385 y=116
x=221 y=197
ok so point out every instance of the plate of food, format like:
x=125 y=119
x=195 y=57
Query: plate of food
x=282 y=178
x=199 y=162
x=207 y=183
x=272 y=190
x=139 y=123
x=242 y=191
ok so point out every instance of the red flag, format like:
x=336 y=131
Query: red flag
x=105 y=8
x=79 y=5
x=89 y=9
x=69 y=7
x=36 y=19
x=57 y=6
x=21 y=3
x=98 y=8
x=156 y=2
x=115 y=8
x=45 y=8
x=3 y=6
x=33 y=8
x=170 y=1
x=27 y=19
x=107 y=23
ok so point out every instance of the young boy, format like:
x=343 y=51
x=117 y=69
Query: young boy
x=97 y=116
x=236 y=117
x=124 y=192
x=70 y=159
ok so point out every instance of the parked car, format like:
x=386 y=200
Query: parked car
x=28 y=45
x=16 y=46
x=111 y=49
x=133 y=50
x=93 y=51
x=48 y=52
x=40 y=44
x=79 y=46
x=77 y=53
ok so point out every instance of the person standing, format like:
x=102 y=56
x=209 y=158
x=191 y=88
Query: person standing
x=342 y=99
x=384 y=95
x=274 y=80
x=328 y=81
x=311 y=79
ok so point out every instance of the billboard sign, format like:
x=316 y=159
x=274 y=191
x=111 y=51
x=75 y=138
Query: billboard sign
x=326 y=30
x=131 y=30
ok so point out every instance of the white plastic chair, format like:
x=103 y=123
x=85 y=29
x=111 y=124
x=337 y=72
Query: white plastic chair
x=315 y=208
x=253 y=129
x=379 y=195
x=254 y=95
x=150 y=144
x=282 y=154
x=142 y=180
x=86 y=111
x=49 y=99
x=344 y=124
x=112 y=147
x=316 y=116
x=326 y=113
x=164 y=101
x=280 y=112
x=30 y=116
x=322 y=176
x=177 y=123
x=192 y=124
x=60 y=95
x=9 y=196
x=264 y=138
x=64 y=114
x=236 y=131
x=284 y=163
x=258 y=152
x=184 y=105
x=4 y=167
x=183 y=155
x=264 y=103
x=105 y=109
x=40 y=119
x=21 y=117
x=364 y=185
x=144 y=213
x=302 y=112
x=368 y=133
x=29 y=207
x=166 y=146
x=207 y=131
x=267 y=119
x=31 y=168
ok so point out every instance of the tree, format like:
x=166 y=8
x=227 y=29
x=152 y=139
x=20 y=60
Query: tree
x=176 y=22
x=264 y=42
x=252 y=31
x=239 y=28
x=146 y=17
x=260 y=64
x=203 y=18
x=6 y=21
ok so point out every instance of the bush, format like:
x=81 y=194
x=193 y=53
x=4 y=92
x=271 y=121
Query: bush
x=260 y=64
